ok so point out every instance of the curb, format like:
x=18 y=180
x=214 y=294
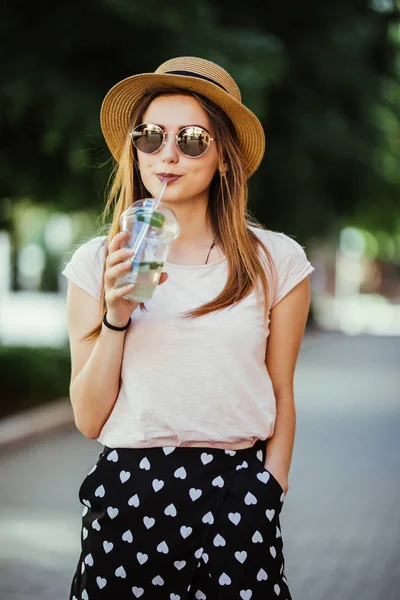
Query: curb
x=36 y=422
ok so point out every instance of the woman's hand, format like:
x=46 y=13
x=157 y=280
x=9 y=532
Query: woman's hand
x=118 y=309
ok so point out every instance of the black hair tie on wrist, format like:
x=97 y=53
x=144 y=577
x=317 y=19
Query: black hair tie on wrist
x=107 y=324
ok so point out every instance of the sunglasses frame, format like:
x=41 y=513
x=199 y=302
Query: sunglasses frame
x=164 y=139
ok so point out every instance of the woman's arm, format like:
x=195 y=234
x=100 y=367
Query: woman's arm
x=95 y=365
x=287 y=324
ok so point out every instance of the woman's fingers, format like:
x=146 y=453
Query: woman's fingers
x=118 y=241
x=112 y=273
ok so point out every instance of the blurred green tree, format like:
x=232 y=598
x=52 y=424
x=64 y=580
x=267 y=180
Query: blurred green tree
x=321 y=77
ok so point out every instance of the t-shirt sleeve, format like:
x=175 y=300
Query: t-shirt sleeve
x=85 y=267
x=292 y=265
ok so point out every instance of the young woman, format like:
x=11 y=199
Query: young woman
x=195 y=411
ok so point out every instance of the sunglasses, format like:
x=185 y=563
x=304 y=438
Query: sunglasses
x=192 y=141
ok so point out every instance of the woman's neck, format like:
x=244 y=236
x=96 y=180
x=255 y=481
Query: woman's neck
x=196 y=235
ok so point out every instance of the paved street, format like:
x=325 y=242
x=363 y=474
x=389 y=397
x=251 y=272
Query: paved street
x=340 y=521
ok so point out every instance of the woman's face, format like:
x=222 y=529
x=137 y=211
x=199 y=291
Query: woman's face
x=172 y=113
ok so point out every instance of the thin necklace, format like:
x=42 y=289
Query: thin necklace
x=212 y=246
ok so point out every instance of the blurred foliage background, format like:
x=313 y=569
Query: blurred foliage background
x=324 y=78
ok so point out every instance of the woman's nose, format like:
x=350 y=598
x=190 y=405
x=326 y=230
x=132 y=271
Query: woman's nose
x=169 y=151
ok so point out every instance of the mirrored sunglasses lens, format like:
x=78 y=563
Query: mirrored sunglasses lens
x=193 y=141
x=147 y=138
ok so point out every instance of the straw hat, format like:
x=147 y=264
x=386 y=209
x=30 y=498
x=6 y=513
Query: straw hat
x=190 y=73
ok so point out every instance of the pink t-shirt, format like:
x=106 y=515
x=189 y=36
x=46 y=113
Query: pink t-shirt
x=194 y=382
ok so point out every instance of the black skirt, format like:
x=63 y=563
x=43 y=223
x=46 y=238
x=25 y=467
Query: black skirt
x=179 y=524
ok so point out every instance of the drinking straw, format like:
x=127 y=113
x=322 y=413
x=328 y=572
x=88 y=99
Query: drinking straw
x=145 y=227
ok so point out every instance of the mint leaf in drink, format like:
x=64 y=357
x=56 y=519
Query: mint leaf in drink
x=156 y=219
x=156 y=265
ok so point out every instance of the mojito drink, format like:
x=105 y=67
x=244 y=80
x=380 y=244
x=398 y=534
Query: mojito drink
x=162 y=228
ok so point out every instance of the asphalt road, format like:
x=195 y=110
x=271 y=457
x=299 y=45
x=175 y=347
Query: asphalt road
x=340 y=521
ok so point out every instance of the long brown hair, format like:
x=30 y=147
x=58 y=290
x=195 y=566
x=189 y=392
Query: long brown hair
x=227 y=210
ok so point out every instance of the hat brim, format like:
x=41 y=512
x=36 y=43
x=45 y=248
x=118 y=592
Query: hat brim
x=119 y=102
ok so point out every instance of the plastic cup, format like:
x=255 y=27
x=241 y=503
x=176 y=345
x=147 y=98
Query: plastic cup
x=158 y=227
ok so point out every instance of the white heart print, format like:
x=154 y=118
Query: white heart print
x=250 y=499
x=134 y=501
x=112 y=512
x=127 y=536
x=85 y=511
x=113 y=456
x=157 y=484
x=96 y=525
x=101 y=582
x=278 y=532
x=241 y=556
x=246 y=594
x=218 y=482
x=148 y=522
x=168 y=449
x=84 y=533
x=124 y=476
x=195 y=494
x=108 y=546
x=219 y=540
x=208 y=518
x=100 y=492
x=87 y=503
x=142 y=558
x=179 y=564
x=234 y=517
x=270 y=513
x=137 y=592
x=257 y=537
x=263 y=477
x=277 y=589
x=170 y=511
x=89 y=560
x=225 y=579
x=85 y=595
x=262 y=575
x=206 y=458
x=198 y=553
x=199 y=595
x=163 y=547
x=174 y=597
x=144 y=464
x=244 y=465
x=230 y=452
x=260 y=455
x=82 y=568
x=158 y=580
x=273 y=551
x=120 y=572
x=180 y=473
x=185 y=531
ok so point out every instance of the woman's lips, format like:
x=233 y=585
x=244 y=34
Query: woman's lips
x=169 y=178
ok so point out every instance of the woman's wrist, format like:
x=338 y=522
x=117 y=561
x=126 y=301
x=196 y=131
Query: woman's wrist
x=115 y=326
